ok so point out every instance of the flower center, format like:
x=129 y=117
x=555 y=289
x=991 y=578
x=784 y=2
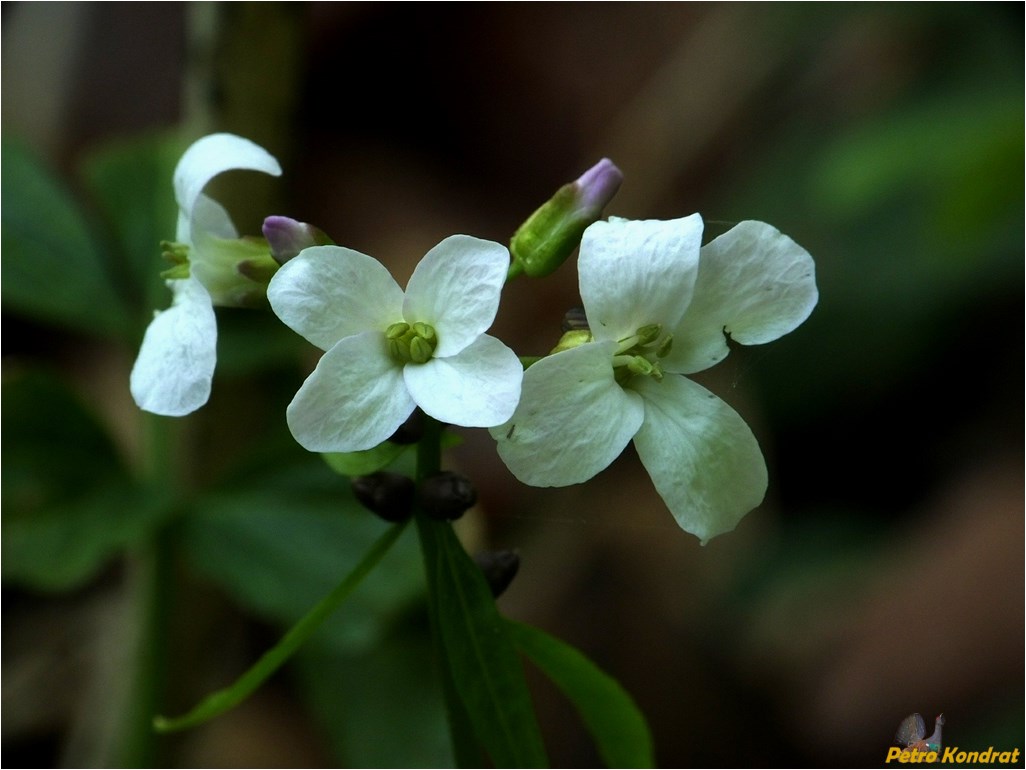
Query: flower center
x=411 y=344
x=639 y=354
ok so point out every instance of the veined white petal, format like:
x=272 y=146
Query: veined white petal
x=755 y=284
x=209 y=219
x=573 y=419
x=212 y=155
x=354 y=399
x=635 y=273
x=702 y=457
x=175 y=366
x=478 y=387
x=455 y=288
x=327 y=293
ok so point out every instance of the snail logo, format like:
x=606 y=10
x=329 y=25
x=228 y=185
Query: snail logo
x=913 y=747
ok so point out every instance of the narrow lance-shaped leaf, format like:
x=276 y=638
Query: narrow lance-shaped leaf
x=486 y=672
x=614 y=721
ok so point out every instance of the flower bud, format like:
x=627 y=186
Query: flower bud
x=551 y=233
x=389 y=495
x=446 y=496
x=411 y=430
x=499 y=568
x=287 y=237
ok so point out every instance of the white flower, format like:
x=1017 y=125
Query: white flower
x=659 y=305
x=387 y=351
x=175 y=366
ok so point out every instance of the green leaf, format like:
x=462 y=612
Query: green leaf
x=54 y=269
x=69 y=504
x=223 y=700
x=381 y=707
x=130 y=181
x=278 y=547
x=610 y=714
x=485 y=669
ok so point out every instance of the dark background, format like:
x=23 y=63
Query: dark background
x=884 y=573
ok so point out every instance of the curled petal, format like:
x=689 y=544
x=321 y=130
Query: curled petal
x=702 y=457
x=456 y=288
x=478 y=387
x=635 y=273
x=329 y=292
x=755 y=284
x=354 y=399
x=573 y=419
x=212 y=155
x=175 y=366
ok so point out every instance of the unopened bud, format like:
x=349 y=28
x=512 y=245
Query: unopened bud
x=551 y=233
x=499 y=568
x=389 y=495
x=287 y=237
x=446 y=496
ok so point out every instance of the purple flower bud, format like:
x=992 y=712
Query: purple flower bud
x=551 y=233
x=596 y=187
x=287 y=237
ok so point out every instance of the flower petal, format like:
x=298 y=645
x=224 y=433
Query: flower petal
x=755 y=284
x=209 y=220
x=329 y=292
x=635 y=273
x=175 y=366
x=702 y=457
x=354 y=399
x=456 y=288
x=478 y=387
x=212 y=155
x=573 y=419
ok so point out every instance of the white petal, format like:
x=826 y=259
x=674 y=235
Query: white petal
x=702 y=457
x=635 y=273
x=328 y=293
x=212 y=155
x=755 y=284
x=456 y=288
x=176 y=361
x=353 y=400
x=573 y=419
x=478 y=387
x=209 y=219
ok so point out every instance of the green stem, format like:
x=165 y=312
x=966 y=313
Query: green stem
x=150 y=579
x=272 y=660
x=466 y=752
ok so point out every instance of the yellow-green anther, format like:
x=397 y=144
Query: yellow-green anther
x=175 y=253
x=665 y=346
x=176 y=273
x=424 y=331
x=640 y=365
x=649 y=333
x=420 y=350
x=397 y=330
x=572 y=339
x=399 y=350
